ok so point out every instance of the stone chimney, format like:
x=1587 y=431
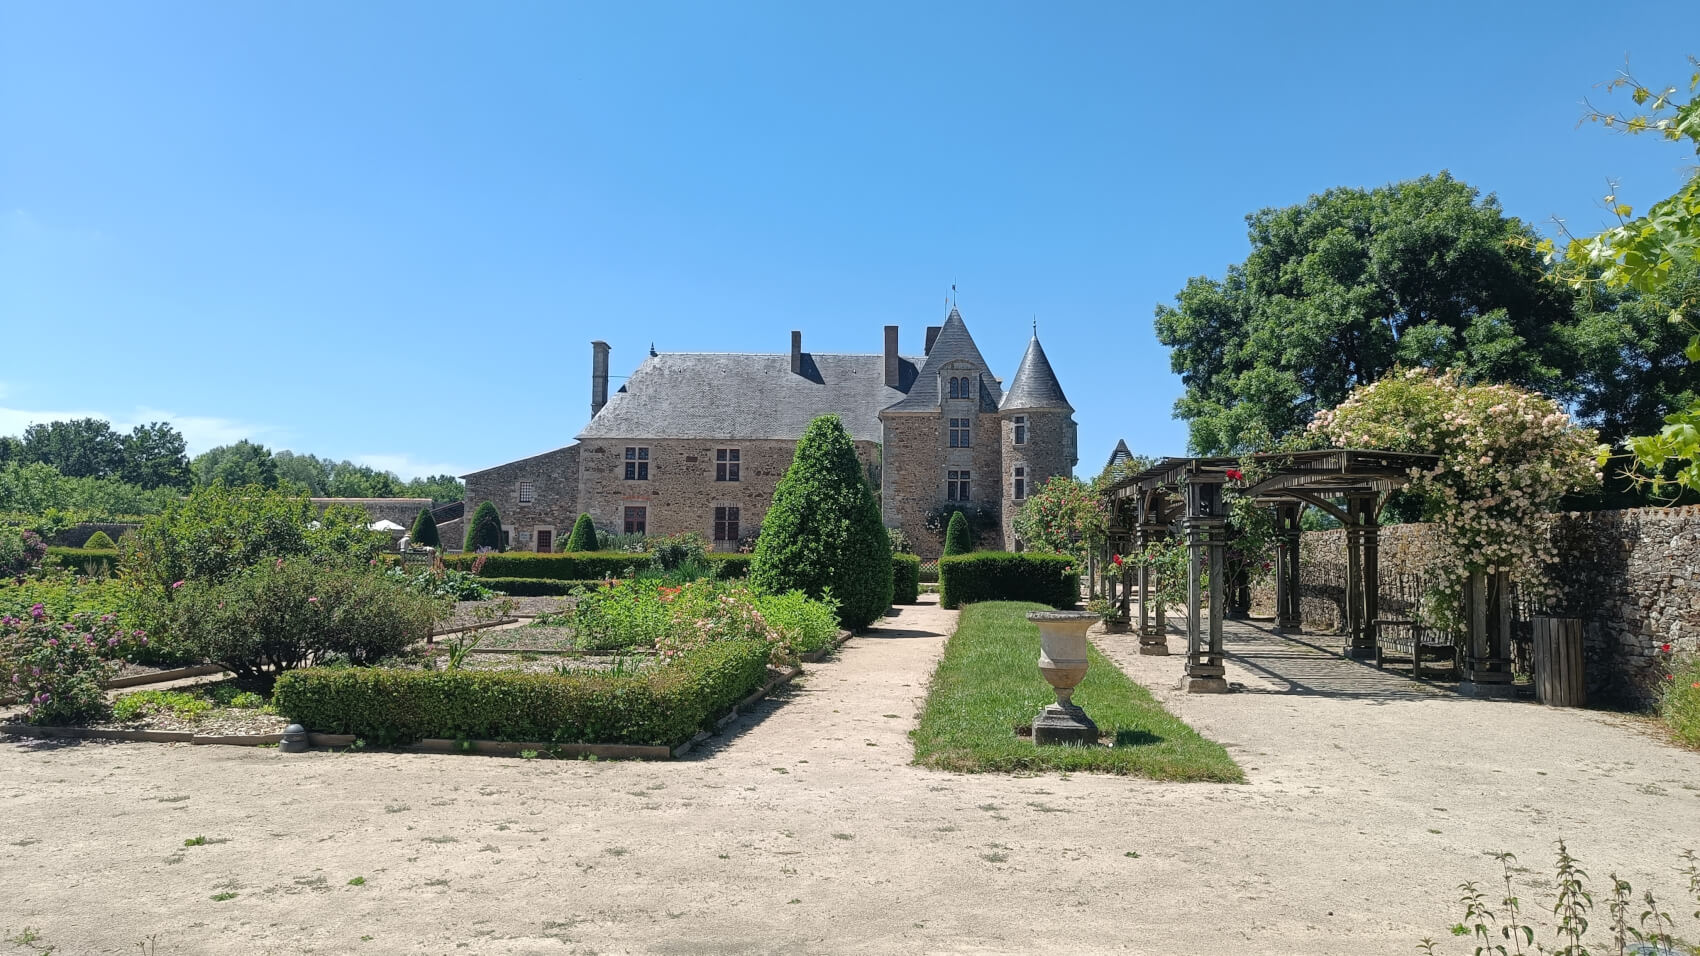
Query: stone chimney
x=598 y=376
x=932 y=336
x=796 y=352
x=893 y=370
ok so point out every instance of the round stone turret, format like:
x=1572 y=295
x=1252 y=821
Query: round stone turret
x=1039 y=438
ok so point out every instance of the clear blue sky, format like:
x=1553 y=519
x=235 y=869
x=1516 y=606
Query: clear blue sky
x=388 y=231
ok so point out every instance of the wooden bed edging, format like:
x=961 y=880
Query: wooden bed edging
x=481 y=625
x=833 y=645
x=160 y=677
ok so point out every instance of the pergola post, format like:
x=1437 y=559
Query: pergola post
x=1289 y=618
x=1361 y=587
x=1487 y=646
x=1153 y=628
x=1205 y=527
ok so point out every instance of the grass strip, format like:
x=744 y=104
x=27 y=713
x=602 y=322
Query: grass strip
x=988 y=683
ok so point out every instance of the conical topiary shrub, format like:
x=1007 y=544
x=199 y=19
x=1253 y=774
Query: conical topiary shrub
x=424 y=531
x=99 y=540
x=957 y=539
x=583 y=537
x=485 y=528
x=824 y=530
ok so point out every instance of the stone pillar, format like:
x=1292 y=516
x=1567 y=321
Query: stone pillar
x=1289 y=616
x=1487 y=647
x=1359 y=638
x=1206 y=541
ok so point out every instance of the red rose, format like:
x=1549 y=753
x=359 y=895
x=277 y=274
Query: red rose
x=1234 y=474
x=1116 y=559
x=1664 y=648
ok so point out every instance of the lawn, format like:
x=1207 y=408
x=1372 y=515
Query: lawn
x=988 y=684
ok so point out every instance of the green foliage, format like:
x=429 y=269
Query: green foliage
x=1063 y=516
x=484 y=529
x=905 y=578
x=36 y=488
x=20 y=551
x=288 y=613
x=804 y=624
x=327 y=478
x=99 y=541
x=218 y=531
x=1338 y=290
x=986 y=685
x=729 y=567
x=79 y=448
x=823 y=532
x=96 y=562
x=535 y=587
x=1679 y=704
x=1052 y=579
x=678 y=550
x=441 y=582
x=957 y=540
x=424 y=530
x=561 y=567
x=244 y=463
x=63 y=595
x=583 y=537
x=144 y=703
x=665 y=706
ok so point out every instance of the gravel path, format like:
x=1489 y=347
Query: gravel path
x=804 y=828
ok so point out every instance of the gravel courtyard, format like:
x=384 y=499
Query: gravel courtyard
x=804 y=828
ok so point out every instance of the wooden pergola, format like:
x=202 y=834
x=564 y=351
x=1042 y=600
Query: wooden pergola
x=1352 y=485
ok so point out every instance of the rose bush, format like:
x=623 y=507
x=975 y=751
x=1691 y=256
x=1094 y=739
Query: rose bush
x=57 y=667
x=1506 y=457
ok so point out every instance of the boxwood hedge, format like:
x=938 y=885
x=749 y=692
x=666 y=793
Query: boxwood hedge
x=84 y=560
x=664 y=707
x=536 y=587
x=905 y=578
x=1001 y=576
x=598 y=565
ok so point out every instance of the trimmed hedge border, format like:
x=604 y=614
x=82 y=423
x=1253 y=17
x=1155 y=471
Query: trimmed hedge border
x=82 y=559
x=905 y=578
x=728 y=566
x=1004 y=576
x=665 y=707
x=536 y=587
x=590 y=565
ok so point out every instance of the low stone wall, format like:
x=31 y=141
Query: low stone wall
x=400 y=510
x=1632 y=576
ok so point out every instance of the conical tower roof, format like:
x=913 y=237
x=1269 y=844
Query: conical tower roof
x=953 y=344
x=1035 y=384
x=1121 y=454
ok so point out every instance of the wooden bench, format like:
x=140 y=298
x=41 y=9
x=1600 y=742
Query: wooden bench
x=1404 y=640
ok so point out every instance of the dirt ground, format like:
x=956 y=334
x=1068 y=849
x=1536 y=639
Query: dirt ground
x=804 y=828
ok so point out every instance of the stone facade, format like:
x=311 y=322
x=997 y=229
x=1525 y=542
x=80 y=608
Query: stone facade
x=918 y=459
x=402 y=511
x=1047 y=452
x=1632 y=576
x=550 y=480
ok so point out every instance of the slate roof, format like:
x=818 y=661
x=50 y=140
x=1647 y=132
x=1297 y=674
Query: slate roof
x=1035 y=385
x=1121 y=454
x=741 y=395
x=953 y=344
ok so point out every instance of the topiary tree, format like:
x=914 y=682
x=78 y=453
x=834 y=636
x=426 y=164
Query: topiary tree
x=583 y=537
x=957 y=539
x=99 y=541
x=485 y=528
x=424 y=531
x=824 y=531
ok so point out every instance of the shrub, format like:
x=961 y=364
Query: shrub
x=535 y=587
x=665 y=706
x=1680 y=703
x=824 y=532
x=484 y=530
x=292 y=613
x=87 y=562
x=957 y=540
x=99 y=541
x=583 y=537
x=440 y=582
x=1063 y=516
x=705 y=612
x=561 y=567
x=56 y=666
x=1001 y=576
x=144 y=703
x=899 y=541
x=728 y=567
x=678 y=550
x=905 y=578
x=424 y=531
x=806 y=625
x=20 y=551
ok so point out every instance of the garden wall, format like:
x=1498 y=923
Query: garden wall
x=1632 y=576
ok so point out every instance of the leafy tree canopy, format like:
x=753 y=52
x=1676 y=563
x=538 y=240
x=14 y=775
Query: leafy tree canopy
x=244 y=463
x=1337 y=290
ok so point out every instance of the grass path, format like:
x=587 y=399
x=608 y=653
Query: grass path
x=988 y=684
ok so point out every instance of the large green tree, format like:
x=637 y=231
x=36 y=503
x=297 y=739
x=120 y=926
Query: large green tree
x=156 y=456
x=244 y=463
x=823 y=532
x=78 y=448
x=1339 y=289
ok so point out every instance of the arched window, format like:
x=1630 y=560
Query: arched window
x=954 y=393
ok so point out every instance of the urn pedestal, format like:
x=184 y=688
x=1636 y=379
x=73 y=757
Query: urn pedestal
x=1062 y=662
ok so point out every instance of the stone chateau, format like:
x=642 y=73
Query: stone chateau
x=696 y=441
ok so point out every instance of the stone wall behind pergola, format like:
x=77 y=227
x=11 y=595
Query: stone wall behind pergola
x=1350 y=484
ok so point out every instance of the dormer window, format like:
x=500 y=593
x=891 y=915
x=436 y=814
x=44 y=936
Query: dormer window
x=961 y=387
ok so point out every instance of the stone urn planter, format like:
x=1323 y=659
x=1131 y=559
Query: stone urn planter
x=1062 y=662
